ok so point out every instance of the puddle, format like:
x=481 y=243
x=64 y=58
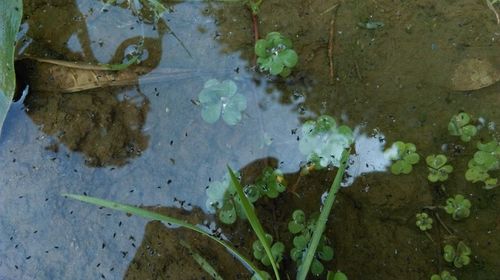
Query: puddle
x=147 y=144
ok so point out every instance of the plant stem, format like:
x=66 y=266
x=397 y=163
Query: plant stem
x=323 y=217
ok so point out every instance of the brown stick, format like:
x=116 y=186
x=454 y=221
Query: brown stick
x=255 y=27
x=331 y=43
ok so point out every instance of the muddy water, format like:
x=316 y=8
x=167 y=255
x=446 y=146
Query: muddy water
x=147 y=144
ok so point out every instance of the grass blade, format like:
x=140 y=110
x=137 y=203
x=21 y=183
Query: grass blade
x=11 y=12
x=254 y=221
x=323 y=217
x=159 y=217
x=204 y=264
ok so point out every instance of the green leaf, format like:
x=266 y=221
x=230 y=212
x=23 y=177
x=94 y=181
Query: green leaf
x=289 y=58
x=218 y=98
x=436 y=161
x=158 y=217
x=10 y=20
x=276 y=67
x=260 y=48
x=339 y=275
x=317 y=267
x=323 y=218
x=227 y=213
x=211 y=112
x=300 y=242
x=412 y=158
x=326 y=254
x=202 y=262
x=253 y=220
x=449 y=253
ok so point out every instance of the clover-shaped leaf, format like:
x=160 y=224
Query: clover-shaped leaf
x=449 y=253
x=459 y=256
x=277 y=250
x=222 y=198
x=459 y=125
x=271 y=183
x=317 y=267
x=297 y=224
x=438 y=169
x=326 y=253
x=275 y=54
x=486 y=159
x=445 y=275
x=405 y=156
x=458 y=207
x=424 y=222
x=220 y=98
x=323 y=142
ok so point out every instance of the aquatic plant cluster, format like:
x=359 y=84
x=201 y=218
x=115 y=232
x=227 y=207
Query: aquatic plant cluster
x=485 y=160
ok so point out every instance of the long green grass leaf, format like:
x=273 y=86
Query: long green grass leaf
x=254 y=221
x=201 y=261
x=159 y=217
x=323 y=217
x=10 y=19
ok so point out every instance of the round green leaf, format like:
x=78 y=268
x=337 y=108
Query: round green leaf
x=317 y=267
x=211 y=112
x=261 y=48
x=289 y=58
x=412 y=158
x=300 y=242
x=276 y=67
x=339 y=275
x=326 y=253
x=449 y=253
x=227 y=213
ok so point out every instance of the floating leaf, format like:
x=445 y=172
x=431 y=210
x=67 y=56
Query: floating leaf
x=405 y=156
x=459 y=125
x=458 y=207
x=438 y=169
x=424 y=222
x=445 y=275
x=275 y=54
x=323 y=142
x=220 y=98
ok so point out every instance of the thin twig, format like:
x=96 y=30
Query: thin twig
x=490 y=6
x=331 y=42
x=442 y=223
x=429 y=236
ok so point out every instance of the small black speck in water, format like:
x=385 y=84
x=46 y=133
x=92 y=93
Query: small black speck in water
x=103 y=245
x=169 y=182
x=28 y=257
